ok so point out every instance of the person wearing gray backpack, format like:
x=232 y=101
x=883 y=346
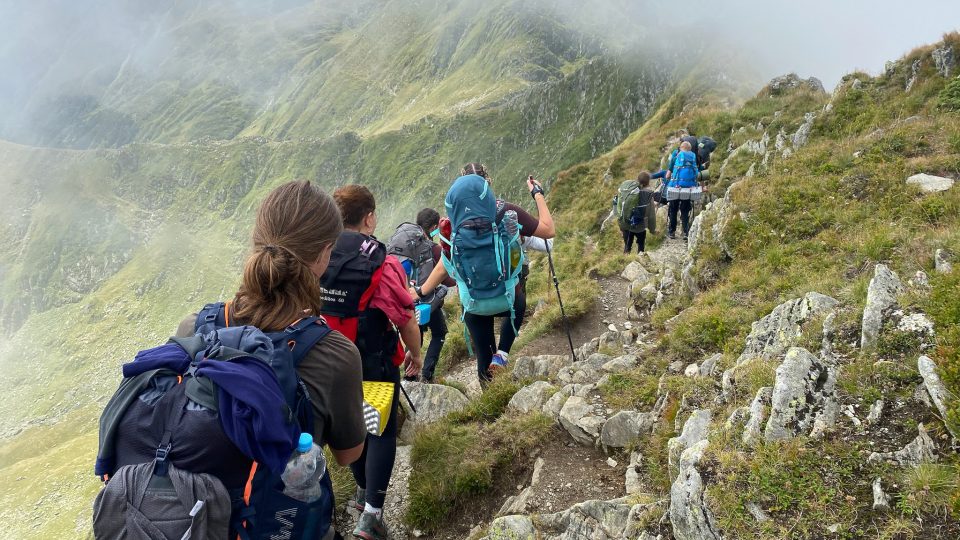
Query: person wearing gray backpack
x=635 y=211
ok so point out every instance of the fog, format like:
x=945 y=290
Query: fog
x=80 y=47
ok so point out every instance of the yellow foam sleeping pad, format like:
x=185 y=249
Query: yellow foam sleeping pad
x=377 y=402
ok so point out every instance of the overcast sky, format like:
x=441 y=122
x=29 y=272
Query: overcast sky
x=828 y=38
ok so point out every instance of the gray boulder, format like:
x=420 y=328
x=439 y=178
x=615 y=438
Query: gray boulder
x=620 y=364
x=802 y=135
x=690 y=512
x=929 y=183
x=920 y=450
x=709 y=366
x=581 y=420
x=802 y=395
x=785 y=83
x=636 y=272
x=625 y=428
x=773 y=334
x=555 y=403
x=881 y=299
x=881 y=501
x=943 y=261
x=540 y=368
x=938 y=393
x=695 y=429
x=433 y=402
x=531 y=397
x=633 y=482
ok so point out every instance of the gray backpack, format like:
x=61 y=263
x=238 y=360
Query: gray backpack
x=139 y=505
x=410 y=243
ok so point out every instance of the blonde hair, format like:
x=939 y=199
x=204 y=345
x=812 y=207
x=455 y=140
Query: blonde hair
x=685 y=145
x=294 y=224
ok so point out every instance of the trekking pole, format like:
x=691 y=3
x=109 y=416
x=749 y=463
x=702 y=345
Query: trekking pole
x=409 y=401
x=556 y=285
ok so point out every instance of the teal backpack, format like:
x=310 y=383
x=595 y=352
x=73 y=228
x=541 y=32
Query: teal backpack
x=485 y=258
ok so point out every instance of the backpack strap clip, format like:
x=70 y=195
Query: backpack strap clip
x=163 y=452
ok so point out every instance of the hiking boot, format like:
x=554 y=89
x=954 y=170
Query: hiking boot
x=498 y=362
x=370 y=526
x=359 y=501
x=672 y=236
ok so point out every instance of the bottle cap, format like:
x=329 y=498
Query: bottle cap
x=306 y=441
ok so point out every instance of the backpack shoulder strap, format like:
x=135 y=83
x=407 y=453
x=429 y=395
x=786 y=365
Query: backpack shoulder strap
x=305 y=334
x=212 y=313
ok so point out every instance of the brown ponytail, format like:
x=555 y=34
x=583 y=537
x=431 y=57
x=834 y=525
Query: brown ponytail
x=294 y=224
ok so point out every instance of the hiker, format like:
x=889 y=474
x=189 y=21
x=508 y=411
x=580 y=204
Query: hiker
x=682 y=174
x=365 y=296
x=635 y=211
x=224 y=436
x=428 y=220
x=474 y=186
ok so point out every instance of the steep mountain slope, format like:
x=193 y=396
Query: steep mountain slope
x=792 y=375
x=108 y=248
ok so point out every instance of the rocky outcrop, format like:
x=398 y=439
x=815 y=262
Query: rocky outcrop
x=531 y=397
x=881 y=298
x=920 y=450
x=802 y=135
x=690 y=512
x=939 y=395
x=695 y=429
x=539 y=367
x=929 y=183
x=601 y=520
x=785 y=83
x=943 y=59
x=773 y=334
x=803 y=400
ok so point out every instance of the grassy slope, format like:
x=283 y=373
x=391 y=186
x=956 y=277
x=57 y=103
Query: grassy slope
x=818 y=220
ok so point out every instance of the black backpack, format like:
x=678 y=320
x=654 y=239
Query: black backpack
x=194 y=449
x=706 y=147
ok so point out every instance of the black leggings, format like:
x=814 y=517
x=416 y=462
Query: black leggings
x=628 y=240
x=438 y=334
x=684 y=208
x=481 y=330
x=373 y=469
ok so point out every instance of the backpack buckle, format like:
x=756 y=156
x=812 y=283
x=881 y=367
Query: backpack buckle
x=160 y=467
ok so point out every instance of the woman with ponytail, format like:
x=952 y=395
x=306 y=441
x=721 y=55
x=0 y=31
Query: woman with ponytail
x=296 y=228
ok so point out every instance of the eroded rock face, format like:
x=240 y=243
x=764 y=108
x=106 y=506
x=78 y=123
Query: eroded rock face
x=541 y=368
x=690 y=512
x=531 y=397
x=881 y=299
x=802 y=135
x=929 y=183
x=920 y=450
x=802 y=395
x=773 y=334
